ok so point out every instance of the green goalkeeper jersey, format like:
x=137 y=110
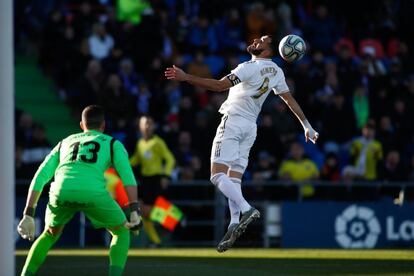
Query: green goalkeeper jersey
x=78 y=163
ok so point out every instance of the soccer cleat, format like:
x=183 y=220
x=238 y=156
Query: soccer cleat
x=245 y=220
x=236 y=230
x=229 y=238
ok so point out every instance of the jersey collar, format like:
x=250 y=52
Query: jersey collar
x=256 y=58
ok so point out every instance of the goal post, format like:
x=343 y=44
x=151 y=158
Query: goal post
x=7 y=195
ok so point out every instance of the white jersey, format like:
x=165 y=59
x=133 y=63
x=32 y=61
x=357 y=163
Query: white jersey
x=252 y=81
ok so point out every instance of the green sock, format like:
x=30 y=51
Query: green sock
x=118 y=252
x=38 y=253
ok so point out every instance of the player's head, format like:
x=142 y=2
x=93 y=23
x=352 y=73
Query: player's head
x=93 y=117
x=264 y=47
x=146 y=126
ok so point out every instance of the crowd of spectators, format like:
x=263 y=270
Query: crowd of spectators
x=357 y=77
x=32 y=145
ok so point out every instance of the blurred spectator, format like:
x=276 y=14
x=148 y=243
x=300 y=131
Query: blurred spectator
x=285 y=24
x=22 y=170
x=331 y=86
x=83 y=19
x=198 y=67
x=330 y=169
x=366 y=153
x=345 y=47
x=297 y=167
x=24 y=129
x=386 y=134
x=129 y=77
x=203 y=35
x=37 y=148
x=116 y=102
x=284 y=124
x=338 y=121
x=373 y=64
x=264 y=170
x=402 y=121
x=143 y=99
x=266 y=140
x=322 y=30
x=391 y=169
x=230 y=32
x=100 y=42
x=184 y=153
x=88 y=88
x=346 y=68
x=259 y=21
x=180 y=32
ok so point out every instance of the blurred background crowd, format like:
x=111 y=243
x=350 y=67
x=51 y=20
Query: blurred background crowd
x=355 y=84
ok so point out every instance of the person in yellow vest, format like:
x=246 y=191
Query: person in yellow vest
x=298 y=168
x=366 y=151
x=156 y=164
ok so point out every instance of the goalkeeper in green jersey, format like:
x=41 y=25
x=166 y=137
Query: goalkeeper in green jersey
x=77 y=164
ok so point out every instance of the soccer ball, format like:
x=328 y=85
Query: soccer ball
x=292 y=48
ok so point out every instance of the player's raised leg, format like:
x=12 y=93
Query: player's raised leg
x=236 y=173
x=39 y=250
x=229 y=238
x=237 y=226
x=220 y=178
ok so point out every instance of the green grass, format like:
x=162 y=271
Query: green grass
x=255 y=262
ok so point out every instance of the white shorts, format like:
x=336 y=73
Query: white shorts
x=231 y=146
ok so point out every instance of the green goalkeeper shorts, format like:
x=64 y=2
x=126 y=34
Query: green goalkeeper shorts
x=101 y=209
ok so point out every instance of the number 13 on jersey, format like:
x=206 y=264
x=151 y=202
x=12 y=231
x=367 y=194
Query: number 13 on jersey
x=89 y=151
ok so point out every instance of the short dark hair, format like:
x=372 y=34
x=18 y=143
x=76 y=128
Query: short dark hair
x=93 y=116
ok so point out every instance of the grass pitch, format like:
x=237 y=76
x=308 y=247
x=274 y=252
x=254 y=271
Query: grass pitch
x=239 y=262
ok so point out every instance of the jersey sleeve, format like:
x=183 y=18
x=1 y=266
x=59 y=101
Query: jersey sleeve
x=281 y=86
x=168 y=157
x=46 y=170
x=121 y=164
x=242 y=72
x=134 y=160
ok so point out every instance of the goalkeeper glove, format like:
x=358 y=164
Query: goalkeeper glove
x=135 y=220
x=310 y=133
x=26 y=227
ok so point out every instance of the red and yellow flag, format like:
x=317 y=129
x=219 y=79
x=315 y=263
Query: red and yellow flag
x=116 y=188
x=166 y=213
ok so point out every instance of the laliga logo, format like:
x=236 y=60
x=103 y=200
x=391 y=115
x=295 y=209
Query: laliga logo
x=357 y=227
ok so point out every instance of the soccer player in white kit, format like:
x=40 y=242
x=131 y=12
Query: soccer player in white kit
x=250 y=83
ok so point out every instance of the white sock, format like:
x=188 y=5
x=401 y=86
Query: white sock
x=230 y=190
x=234 y=212
x=234 y=209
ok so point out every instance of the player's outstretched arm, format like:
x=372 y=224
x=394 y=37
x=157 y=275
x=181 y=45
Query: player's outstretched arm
x=175 y=73
x=44 y=174
x=310 y=133
x=122 y=166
